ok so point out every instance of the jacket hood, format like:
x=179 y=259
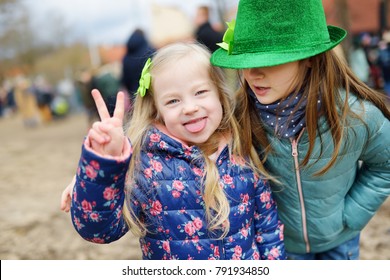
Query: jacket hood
x=136 y=41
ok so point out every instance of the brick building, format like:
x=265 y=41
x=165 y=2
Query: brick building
x=358 y=16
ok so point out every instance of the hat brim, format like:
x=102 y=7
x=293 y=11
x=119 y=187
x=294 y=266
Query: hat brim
x=221 y=57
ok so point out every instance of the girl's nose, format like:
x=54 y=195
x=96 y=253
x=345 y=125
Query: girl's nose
x=190 y=108
x=256 y=73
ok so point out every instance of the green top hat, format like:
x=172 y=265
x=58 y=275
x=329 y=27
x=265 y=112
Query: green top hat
x=269 y=33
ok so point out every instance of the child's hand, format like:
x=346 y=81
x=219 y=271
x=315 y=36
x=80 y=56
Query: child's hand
x=107 y=137
x=67 y=196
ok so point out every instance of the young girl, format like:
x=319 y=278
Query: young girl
x=322 y=132
x=190 y=194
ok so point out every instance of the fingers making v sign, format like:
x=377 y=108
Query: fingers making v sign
x=106 y=136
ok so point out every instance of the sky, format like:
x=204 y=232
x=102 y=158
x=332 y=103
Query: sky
x=103 y=21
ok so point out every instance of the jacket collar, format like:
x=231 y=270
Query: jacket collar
x=158 y=142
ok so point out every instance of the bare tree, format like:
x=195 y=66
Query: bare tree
x=15 y=35
x=13 y=18
x=23 y=44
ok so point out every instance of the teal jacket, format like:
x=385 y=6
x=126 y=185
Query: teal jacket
x=322 y=212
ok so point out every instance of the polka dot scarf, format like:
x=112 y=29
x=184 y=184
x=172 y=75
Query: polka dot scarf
x=283 y=116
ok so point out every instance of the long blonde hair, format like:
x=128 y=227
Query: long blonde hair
x=326 y=78
x=145 y=114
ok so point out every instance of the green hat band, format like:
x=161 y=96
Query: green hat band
x=273 y=44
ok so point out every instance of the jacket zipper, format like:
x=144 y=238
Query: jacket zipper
x=294 y=144
x=222 y=252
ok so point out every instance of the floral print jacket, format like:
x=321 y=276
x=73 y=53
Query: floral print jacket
x=167 y=195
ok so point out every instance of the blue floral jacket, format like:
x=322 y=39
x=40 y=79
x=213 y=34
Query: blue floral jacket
x=167 y=195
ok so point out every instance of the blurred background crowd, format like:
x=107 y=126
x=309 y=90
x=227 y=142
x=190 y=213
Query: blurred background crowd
x=49 y=65
x=45 y=79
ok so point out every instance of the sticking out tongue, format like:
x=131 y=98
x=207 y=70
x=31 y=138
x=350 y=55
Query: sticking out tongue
x=196 y=125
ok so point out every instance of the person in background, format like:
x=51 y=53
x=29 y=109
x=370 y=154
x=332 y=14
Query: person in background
x=44 y=95
x=26 y=102
x=84 y=86
x=138 y=50
x=194 y=188
x=104 y=79
x=370 y=46
x=321 y=131
x=205 y=33
x=384 y=62
x=358 y=61
x=3 y=100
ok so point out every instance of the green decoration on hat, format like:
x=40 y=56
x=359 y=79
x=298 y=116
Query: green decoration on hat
x=144 y=81
x=228 y=37
x=269 y=33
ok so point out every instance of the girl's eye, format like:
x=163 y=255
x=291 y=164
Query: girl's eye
x=201 y=92
x=172 y=101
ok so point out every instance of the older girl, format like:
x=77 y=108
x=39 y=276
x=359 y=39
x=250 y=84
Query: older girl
x=323 y=133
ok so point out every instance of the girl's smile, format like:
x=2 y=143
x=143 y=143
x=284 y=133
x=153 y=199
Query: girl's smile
x=187 y=101
x=196 y=125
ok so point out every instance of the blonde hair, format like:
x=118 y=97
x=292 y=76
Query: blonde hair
x=145 y=114
x=327 y=76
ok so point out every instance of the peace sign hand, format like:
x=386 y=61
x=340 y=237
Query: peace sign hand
x=106 y=136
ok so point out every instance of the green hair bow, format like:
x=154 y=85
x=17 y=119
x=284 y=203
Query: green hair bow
x=228 y=37
x=144 y=81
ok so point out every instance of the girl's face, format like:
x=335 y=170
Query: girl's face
x=187 y=100
x=272 y=83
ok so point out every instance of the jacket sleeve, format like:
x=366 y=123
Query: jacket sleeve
x=372 y=184
x=269 y=229
x=98 y=197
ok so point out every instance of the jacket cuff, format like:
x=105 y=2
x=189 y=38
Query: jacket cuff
x=99 y=170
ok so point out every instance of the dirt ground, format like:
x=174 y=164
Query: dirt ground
x=35 y=166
